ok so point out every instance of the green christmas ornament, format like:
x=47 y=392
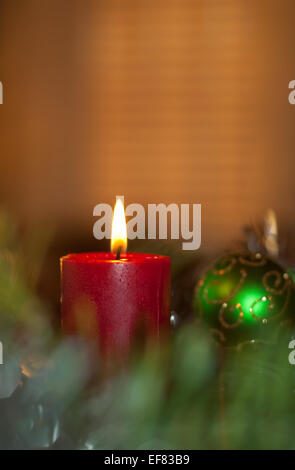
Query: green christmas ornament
x=245 y=297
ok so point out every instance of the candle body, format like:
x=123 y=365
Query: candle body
x=115 y=300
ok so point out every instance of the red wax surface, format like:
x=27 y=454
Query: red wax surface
x=112 y=300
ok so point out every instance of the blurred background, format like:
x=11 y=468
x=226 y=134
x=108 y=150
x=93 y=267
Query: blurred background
x=181 y=101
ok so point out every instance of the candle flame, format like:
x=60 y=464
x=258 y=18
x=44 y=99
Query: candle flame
x=119 y=229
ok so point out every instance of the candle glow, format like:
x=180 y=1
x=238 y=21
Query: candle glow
x=119 y=229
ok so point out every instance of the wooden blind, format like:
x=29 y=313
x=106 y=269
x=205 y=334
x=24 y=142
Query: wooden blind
x=159 y=100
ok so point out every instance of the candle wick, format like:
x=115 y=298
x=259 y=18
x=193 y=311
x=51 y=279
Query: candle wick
x=118 y=253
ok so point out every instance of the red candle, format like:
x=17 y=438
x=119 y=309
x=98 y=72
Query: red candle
x=112 y=299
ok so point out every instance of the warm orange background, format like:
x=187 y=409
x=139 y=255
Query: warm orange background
x=162 y=101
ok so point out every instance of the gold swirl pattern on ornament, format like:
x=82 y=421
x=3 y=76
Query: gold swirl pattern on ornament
x=200 y=308
x=262 y=299
x=251 y=342
x=271 y=306
x=285 y=304
x=253 y=260
x=235 y=324
x=232 y=292
x=279 y=280
x=217 y=335
x=229 y=261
